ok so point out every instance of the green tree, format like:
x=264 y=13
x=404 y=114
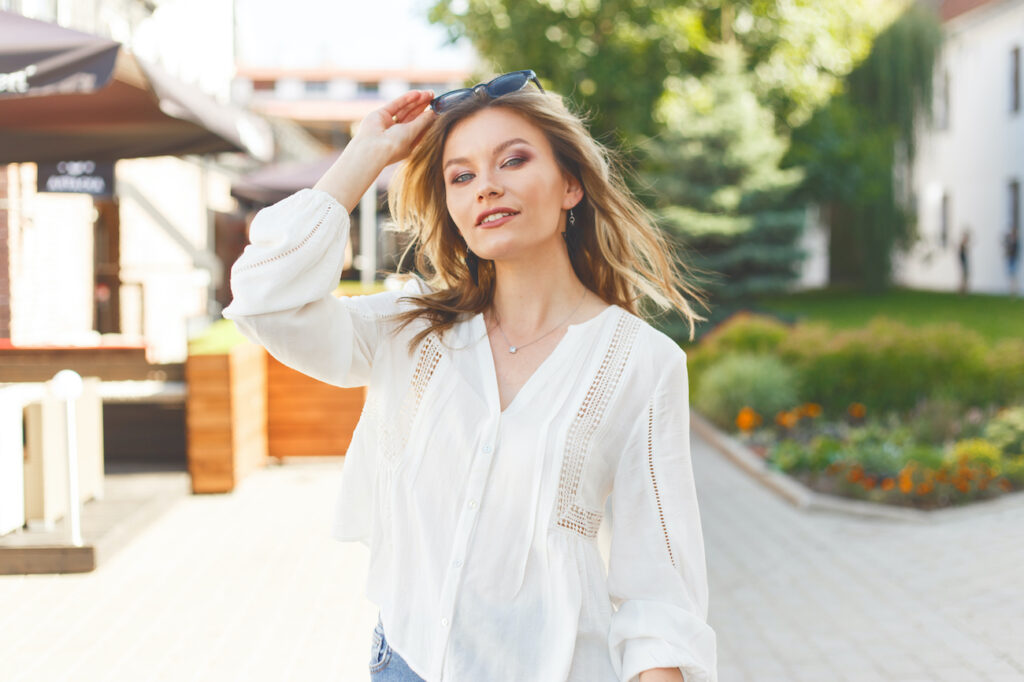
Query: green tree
x=717 y=185
x=614 y=57
x=857 y=149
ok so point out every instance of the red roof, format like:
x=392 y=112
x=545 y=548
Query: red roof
x=953 y=8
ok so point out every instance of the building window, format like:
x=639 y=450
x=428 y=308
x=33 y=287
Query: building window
x=1015 y=80
x=1014 y=213
x=942 y=101
x=944 y=220
x=368 y=88
x=318 y=88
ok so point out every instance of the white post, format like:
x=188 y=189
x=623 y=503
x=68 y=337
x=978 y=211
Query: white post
x=67 y=386
x=368 y=237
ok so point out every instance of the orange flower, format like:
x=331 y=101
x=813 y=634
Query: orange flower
x=747 y=419
x=787 y=420
x=888 y=484
x=1005 y=484
x=869 y=482
x=811 y=410
x=855 y=474
x=857 y=410
x=907 y=478
x=924 y=488
x=962 y=486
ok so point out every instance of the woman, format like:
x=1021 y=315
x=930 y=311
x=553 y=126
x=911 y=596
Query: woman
x=510 y=394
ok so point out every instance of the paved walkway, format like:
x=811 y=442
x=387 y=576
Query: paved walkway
x=249 y=586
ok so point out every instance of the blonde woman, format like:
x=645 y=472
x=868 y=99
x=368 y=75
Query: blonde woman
x=513 y=389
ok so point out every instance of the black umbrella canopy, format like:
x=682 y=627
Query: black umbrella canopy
x=139 y=110
x=38 y=58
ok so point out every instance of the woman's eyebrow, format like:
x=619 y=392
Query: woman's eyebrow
x=497 y=150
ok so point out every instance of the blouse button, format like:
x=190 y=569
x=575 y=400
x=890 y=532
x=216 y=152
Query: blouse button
x=444 y=622
x=457 y=563
x=488 y=449
x=472 y=504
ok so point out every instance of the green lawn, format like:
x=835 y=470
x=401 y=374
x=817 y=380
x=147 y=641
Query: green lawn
x=994 y=317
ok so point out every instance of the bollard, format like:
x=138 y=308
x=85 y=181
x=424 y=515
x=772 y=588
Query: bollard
x=67 y=386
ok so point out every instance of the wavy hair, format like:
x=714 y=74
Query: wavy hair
x=616 y=251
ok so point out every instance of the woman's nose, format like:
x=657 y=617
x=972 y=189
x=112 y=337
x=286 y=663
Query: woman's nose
x=488 y=188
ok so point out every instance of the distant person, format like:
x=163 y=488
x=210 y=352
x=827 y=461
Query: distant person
x=514 y=390
x=1011 y=249
x=964 y=254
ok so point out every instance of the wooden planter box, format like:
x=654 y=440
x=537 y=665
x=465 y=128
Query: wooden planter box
x=306 y=416
x=226 y=417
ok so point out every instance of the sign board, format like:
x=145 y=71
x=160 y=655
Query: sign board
x=80 y=177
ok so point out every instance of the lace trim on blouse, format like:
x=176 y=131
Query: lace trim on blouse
x=654 y=480
x=569 y=514
x=292 y=250
x=394 y=430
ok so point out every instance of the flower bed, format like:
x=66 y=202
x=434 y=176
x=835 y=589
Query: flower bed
x=939 y=427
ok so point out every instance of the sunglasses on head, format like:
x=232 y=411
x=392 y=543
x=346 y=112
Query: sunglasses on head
x=502 y=85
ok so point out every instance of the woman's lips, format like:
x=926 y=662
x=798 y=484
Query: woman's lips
x=496 y=223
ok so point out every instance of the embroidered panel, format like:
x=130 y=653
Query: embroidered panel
x=588 y=417
x=654 y=480
x=394 y=429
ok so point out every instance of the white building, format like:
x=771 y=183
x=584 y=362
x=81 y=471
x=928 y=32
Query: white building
x=970 y=162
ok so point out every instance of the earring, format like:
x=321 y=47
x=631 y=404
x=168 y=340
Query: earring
x=473 y=263
x=572 y=218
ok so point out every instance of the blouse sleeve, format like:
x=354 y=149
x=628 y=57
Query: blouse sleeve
x=657 y=576
x=282 y=292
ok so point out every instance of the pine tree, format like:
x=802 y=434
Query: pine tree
x=716 y=184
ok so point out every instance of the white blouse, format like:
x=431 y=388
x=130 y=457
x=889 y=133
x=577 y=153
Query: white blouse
x=482 y=523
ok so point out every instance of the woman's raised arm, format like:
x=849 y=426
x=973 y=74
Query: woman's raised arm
x=283 y=283
x=385 y=136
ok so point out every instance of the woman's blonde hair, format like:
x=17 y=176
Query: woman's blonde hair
x=617 y=251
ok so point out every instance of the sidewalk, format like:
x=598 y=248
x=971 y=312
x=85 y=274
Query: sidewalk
x=249 y=586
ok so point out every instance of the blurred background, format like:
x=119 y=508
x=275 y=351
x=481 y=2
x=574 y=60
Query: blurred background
x=841 y=178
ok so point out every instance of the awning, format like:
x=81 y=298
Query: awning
x=68 y=113
x=272 y=183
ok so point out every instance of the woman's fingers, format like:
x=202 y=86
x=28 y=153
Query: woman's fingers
x=395 y=105
x=413 y=109
x=411 y=99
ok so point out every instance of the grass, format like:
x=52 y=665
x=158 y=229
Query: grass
x=222 y=335
x=994 y=317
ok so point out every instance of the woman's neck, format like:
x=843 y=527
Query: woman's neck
x=532 y=295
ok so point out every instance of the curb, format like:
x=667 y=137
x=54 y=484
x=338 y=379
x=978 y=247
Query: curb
x=802 y=497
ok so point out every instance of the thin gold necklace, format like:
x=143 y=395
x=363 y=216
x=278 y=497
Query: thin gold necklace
x=512 y=348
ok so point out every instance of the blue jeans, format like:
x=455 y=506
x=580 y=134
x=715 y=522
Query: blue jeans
x=385 y=663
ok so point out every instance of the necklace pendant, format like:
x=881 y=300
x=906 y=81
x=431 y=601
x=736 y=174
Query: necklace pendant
x=512 y=349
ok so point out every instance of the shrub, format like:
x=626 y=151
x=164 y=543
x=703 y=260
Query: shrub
x=887 y=365
x=1006 y=431
x=740 y=333
x=976 y=451
x=761 y=382
x=936 y=420
x=1005 y=365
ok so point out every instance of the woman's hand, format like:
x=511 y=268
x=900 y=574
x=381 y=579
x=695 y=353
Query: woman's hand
x=397 y=127
x=384 y=136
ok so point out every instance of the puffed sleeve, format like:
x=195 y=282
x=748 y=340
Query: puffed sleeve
x=282 y=292
x=657 y=576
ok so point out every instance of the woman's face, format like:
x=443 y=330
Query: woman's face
x=503 y=187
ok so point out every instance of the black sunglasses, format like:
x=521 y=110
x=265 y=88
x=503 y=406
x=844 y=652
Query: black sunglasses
x=502 y=85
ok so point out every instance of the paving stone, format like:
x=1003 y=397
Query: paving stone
x=250 y=586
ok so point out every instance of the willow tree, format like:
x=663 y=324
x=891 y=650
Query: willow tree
x=857 y=149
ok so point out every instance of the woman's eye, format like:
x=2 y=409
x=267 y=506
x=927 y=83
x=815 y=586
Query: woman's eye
x=515 y=161
x=461 y=177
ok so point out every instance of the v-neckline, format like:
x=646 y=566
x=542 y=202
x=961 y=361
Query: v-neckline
x=486 y=356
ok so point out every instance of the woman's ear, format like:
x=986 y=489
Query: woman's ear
x=573 y=192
